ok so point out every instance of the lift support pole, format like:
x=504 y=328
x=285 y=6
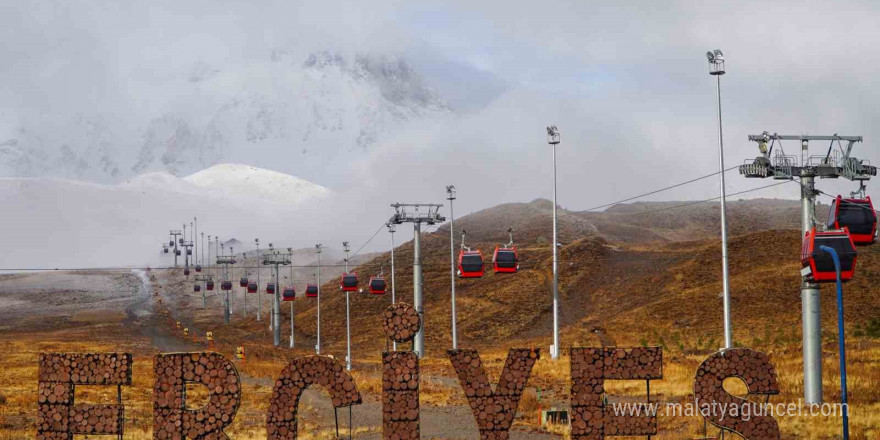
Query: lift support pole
x=417 y=214
x=834 y=164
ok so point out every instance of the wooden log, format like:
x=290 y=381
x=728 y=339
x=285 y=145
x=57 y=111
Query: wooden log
x=755 y=369
x=494 y=410
x=401 y=322
x=294 y=379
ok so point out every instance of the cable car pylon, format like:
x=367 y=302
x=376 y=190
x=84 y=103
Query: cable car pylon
x=417 y=213
x=780 y=166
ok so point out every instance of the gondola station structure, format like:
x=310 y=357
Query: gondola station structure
x=852 y=221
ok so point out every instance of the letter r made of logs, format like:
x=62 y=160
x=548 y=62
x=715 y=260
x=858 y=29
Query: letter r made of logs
x=58 y=418
x=171 y=418
x=590 y=368
x=495 y=409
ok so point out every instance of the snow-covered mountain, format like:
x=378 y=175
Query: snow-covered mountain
x=245 y=181
x=307 y=114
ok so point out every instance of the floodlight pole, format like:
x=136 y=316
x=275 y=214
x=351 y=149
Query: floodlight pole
x=716 y=59
x=413 y=213
x=318 y=344
x=553 y=140
x=259 y=296
x=290 y=251
x=347 y=314
x=196 y=240
x=391 y=228
x=450 y=195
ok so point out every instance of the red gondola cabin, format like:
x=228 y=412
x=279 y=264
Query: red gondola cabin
x=209 y=285
x=378 y=285
x=252 y=287
x=818 y=266
x=186 y=272
x=243 y=282
x=857 y=216
x=312 y=291
x=288 y=294
x=349 y=282
x=198 y=267
x=505 y=260
x=470 y=264
x=197 y=288
x=270 y=288
x=226 y=285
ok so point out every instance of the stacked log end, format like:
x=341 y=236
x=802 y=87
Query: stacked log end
x=401 y=322
x=59 y=373
x=494 y=410
x=755 y=369
x=173 y=373
x=590 y=368
x=400 y=396
x=294 y=379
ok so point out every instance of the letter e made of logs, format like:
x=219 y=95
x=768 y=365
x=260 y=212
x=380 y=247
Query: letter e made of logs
x=58 y=417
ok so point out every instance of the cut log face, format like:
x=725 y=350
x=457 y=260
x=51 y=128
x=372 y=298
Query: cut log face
x=294 y=379
x=400 y=396
x=401 y=322
x=171 y=419
x=495 y=410
x=755 y=369
x=590 y=368
x=59 y=373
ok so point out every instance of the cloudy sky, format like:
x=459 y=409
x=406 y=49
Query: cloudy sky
x=626 y=83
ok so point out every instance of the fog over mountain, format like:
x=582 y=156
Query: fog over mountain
x=382 y=102
x=309 y=111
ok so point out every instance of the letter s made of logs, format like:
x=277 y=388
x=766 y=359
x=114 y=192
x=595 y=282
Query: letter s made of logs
x=719 y=408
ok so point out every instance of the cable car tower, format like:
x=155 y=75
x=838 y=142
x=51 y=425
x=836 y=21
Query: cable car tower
x=174 y=233
x=277 y=259
x=836 y=162
x=417 y=213
x=226 y=261
x=204 y=278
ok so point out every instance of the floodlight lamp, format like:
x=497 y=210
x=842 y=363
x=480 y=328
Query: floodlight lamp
x=450 y=189
x=718 y=55
x=710 y=56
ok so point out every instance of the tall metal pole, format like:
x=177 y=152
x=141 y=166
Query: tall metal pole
x=811 y=302
x=196 y=240
x=728 y=326
x=391 y=228
x=553 y=140
x=259 y=295
x=318 y=345
x=347 y=314
x=276 y=303
x=290 y=250
x=450 y=191
x=419 y=341
x=244 y=292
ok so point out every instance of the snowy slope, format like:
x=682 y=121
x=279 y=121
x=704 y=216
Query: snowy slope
x=244 y=181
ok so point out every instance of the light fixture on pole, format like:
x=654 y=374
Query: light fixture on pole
x=347 y=249
x=450 y=195
x=716 y=69
x=553 y=140
x=391 y=229
x=259 y=297
x=318 y=344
